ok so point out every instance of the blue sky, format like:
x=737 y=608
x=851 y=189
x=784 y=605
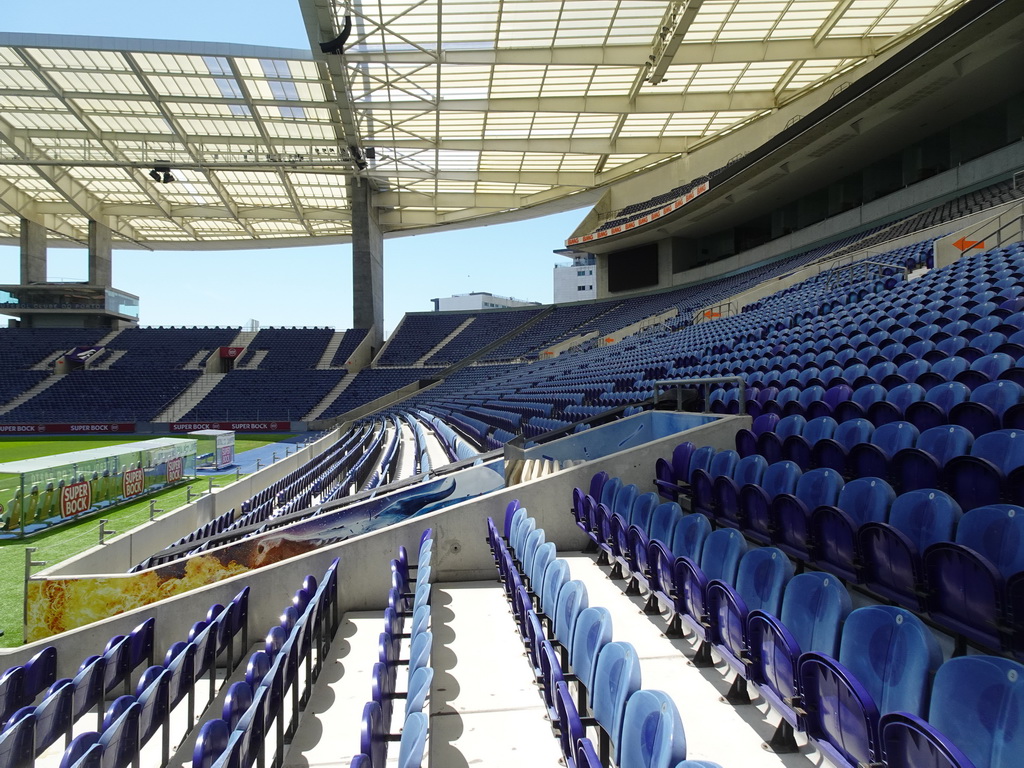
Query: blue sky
x=292 y=286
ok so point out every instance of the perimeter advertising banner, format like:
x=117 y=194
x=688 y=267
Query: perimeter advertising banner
x=64 y=429
x=234 y=426
x=62 y=603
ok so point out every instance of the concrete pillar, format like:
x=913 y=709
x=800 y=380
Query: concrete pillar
x=33 y=252
x=99 y=254
x=367 y=262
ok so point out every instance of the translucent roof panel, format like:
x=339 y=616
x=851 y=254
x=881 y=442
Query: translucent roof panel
x=453 y=110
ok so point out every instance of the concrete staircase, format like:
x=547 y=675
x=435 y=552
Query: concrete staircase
x=195 y=363
x=330 y=396
x=109 y=360
x=422 y=361
x=28 y=394
x=254 y=361
x=328 y=355
x=190 y=397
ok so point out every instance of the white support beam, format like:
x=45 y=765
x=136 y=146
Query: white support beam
x=674 y=26
x=725 y=52
x=646 y=103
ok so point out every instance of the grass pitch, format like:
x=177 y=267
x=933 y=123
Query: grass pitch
x=67 y=540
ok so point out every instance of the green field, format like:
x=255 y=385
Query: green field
x=70 y=539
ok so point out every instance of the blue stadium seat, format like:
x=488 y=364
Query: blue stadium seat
x=652 y=732
x=833 y=529
x=974 y=719
x=920 y=466
x=761 y=577
x=789 y=514
x=756 y=500
x=814 y=607
x=966 y=578
x=887 y=658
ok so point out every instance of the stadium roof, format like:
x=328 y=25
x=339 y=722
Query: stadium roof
x=454 y=110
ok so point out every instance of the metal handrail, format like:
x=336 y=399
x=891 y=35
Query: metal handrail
x=705 y=381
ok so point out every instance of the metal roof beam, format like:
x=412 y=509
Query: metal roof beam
x=653 y=103
x=728 y=52
x=674 y=26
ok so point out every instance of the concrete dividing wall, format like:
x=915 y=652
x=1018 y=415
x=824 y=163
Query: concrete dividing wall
x=460 y=553
x=122 y=552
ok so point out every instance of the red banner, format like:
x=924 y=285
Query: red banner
x=75 y=499
x=231 y=352
x=133 y=482
x=236 y=426
x=175 y=469
x=63 y=429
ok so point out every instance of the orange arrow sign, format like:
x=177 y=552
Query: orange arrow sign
x=963 y=244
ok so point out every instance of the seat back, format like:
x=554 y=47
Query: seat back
x=978 y=703
x=419 y=689
x=895 y=436
x=414 y=738
x=893 y=655
x=866 y=499
x=689 y=536
x=663 y=522
x=616 y=678
x=723 y=463
x=945 y=442
x=1004 y=448
x=819 y=487
x=721 y=555
x=555 y=577
x=624 y=501
x=854 y=431
x=652 y=732
x=925 y=516
x=996 y=532
x=790 y=425
x=593 y=632
x=572 y=599
x=948 y=394
x=761 y=577
x=537 y=567
x=701 y=459
x=819 y=428
x=814 y=606
x=780 y=477
x=643 y=508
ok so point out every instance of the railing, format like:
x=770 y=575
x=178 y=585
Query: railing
x=874 y=270
x=706 y=382
x=713 y=312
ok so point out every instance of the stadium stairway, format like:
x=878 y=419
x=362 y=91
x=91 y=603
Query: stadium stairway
x=324 y=364
x=441 y=344
x=190 y=397
x=330 y=397
x=28 y=394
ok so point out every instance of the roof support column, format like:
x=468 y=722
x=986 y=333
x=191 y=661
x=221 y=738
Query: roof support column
x=100 y=254
x=33 y=252
x=367 y=262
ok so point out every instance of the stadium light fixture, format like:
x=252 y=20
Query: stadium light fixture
x=161 y=174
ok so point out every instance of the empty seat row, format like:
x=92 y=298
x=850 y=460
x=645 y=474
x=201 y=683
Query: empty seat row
x=634 y=727
x=796 y=639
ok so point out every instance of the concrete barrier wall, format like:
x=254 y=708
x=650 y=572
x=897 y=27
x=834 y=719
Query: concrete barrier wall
x=460 y=553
